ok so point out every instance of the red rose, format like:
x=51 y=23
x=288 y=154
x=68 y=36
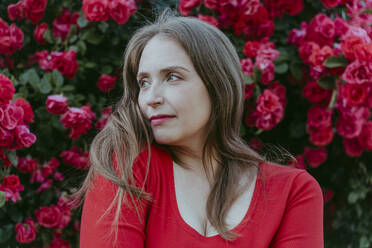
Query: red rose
x=34 y=9
x=354 y=94
x=321 y=137
x=314 y=93
x=28 y=113
x=56 y=104
x=365 y=137
x=209 y=19
x=12 y=182
x=280 y=91
x=46 y=62
x=298 y=162
x=7 y=89
x=27 y=165
x=315 y=156
x=292 y=7
x=13 y=115
x=211 y=4
x=24 y=138
x=297 y=36
x=57 y=242
x=100 y=124
x=16 y=11
x=330 y=4
x=66 y=63
x=49 y=217
x=251 y=48
x=106 y=82
x=75 y=157
x=95 y=10
x=353 y=147
x=270 y=120
x=321 y=30
x=25 y=232
x=39 y=32
x=185 y=6
x=357 y=73
x=318 y=117
x=11 y=38
x=306 y=49
x=349 y=127
x=78 y=119
x=6 y=137
x=267 y=51
x=62 y=24
x=121 y=10
x=319 y=56
x=267 y=69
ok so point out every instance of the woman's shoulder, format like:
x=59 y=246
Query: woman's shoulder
x=290 y=180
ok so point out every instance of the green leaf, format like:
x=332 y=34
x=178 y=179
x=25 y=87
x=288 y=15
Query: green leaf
x=103 y=26
x=30 y=76
x=247 y=79
x=2 y=198
x=256 y=74
x=364 y=242
x=82 y=48
x=352 y=197
x=68 y=88
x=94 y=38
x=333 y=62
x=73 y=38
x=45 y=86
x=281 y=68
x=90 y=65
x=57 y=78
x=296 y=71
x=106 y=69
x=366 y=11
x=82 y=22
x=327 y=82
x=48 y=36
x=5 y=232
x=12 y=156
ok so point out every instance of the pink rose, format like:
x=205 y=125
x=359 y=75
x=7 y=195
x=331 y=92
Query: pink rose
x=16 y=11
x=321 y=30
x=106 y=82
x=34 y=9
x=13 y=116
x=48 y=217
x=95 y=10
x=11 y=38
x=24 y=138
x=7 y=89
x=357 y=73
x=211 y=4
x=267 y=70
x=185 y=6
x=315 y=156
x=39 y=32
x=46 y=61
x=209 y=19
x=354 y=94
x=25 y=232
x=121 y=10
x=268 y=102
x=45 y=185
x=247 y=66
x=56 y=104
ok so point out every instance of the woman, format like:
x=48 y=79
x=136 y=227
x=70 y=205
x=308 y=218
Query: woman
x=170 y=170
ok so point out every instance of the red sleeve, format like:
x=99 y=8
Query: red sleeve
x=98 y=198
x=302 y=223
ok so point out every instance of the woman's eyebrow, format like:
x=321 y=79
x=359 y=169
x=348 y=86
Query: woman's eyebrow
x=166 y=69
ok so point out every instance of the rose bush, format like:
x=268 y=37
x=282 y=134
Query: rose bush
x=307 y=69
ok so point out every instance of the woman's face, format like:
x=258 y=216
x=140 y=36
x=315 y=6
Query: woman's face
x=176 y=92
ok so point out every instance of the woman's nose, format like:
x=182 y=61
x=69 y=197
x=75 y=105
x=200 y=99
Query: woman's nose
x=155 y=96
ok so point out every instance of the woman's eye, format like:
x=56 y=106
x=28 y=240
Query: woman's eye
x=142 y=83
x=173 y=75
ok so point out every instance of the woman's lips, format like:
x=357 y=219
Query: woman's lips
x=159 y=121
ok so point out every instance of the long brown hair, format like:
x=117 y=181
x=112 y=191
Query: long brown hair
x=127 y=132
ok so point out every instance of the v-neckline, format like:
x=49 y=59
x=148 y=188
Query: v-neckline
x=248 y=215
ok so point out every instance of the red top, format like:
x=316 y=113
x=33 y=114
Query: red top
x=289 y=214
